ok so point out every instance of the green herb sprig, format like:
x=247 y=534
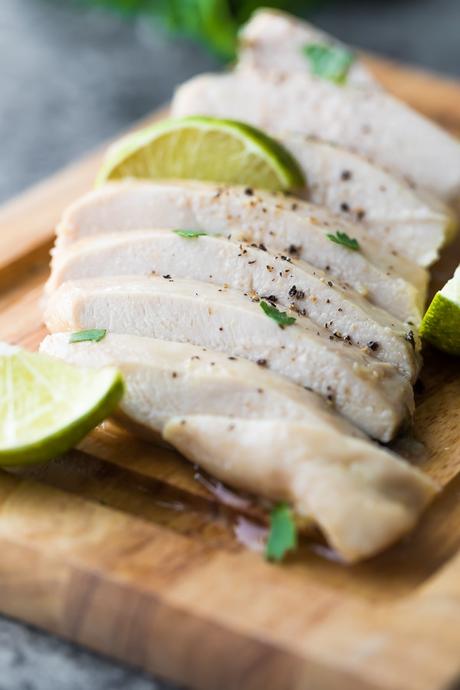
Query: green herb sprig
x=94 y=334
x=281 y=318
x=190 y=234
x=283 y=533
x=343 y=239
x=329 y=62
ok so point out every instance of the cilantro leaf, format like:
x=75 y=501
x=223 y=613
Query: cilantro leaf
x=283 y=533
x=95 y=334
x=330 y=62
x=281 y=318
x=190 y=234
x=345 y=240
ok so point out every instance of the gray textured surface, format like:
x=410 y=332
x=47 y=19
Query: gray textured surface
x=68 y=80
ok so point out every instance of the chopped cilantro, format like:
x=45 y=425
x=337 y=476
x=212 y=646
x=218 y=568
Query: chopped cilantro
x=283 y=533
x=95 y=334
x=342 y=238
x=190 y=234
x=281 y=318
x=330 y=62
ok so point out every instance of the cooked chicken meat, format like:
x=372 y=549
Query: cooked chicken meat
x=165 y=379
x=276 y=40
x=371 y=394
x=303 y=448
x=282 y=281
x=282 y=223
x=408 y=221
x=362 y=497
x=372 y=123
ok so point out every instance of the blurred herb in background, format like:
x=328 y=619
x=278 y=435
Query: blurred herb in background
x=214 y=22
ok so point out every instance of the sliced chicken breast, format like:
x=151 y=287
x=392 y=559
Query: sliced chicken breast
x=285 y=282
x=362 y=497
x=279 y=222
x=277 y=40
x=165 y=379
x=304 y=447
x=372 y=123
x=408 y=221
x=371 y=394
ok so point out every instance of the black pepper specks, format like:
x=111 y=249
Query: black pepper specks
x=410 y=338
x=373 y=345
x=261 y=362
x=294 y=249
x=270 y=298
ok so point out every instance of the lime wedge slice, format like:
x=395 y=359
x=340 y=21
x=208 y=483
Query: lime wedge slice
x=47 y=406
x=441 y=323
x=203 y=148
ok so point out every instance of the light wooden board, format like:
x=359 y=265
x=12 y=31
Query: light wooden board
x=119 y=547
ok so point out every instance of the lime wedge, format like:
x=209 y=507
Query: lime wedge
x=203 y=148
x=47 y=406
x=441 y=323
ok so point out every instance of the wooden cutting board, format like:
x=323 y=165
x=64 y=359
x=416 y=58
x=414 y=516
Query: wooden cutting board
x=118 y=546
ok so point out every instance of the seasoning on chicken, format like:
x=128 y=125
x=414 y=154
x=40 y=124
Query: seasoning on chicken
x=214 y=259
x=285 y=224
x=371 y=394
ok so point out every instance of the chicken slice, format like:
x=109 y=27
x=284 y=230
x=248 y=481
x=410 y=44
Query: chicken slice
x=372 y=123
x=283 y=223
x=362 y=497
x=409 y=221
x=214 y=259
x=304 y=446
x=165 y=379
x=371 y=394
x=277 y=40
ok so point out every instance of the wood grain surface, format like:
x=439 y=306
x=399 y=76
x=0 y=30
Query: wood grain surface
x=120 y=547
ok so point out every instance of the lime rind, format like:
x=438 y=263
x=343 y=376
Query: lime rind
x=286 y=171
x=441 y=323
x=104 y=389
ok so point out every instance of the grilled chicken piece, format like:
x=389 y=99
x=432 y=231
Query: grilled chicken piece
x=411 y=222
x=277 y=40
x=362 y=497
x=370 y=394
x=165 y=379
x=279 y=222
x=214 y=259
x=372 y=123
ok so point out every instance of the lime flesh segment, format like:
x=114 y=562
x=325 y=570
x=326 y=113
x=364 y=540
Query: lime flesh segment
x=47 y=406
x=441 y=323
x=203 y=148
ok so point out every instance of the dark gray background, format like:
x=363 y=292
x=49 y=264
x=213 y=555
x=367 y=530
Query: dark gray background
x=71 y=78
